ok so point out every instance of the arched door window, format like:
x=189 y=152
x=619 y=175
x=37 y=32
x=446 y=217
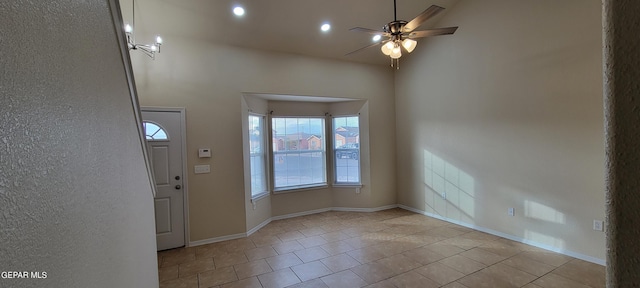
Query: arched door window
x=154 y=132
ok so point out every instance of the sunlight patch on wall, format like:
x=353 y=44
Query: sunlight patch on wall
x=542 y=212
x=544 y=239
x=449 y=191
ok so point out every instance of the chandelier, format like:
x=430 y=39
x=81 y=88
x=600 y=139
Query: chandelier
x=148 y=49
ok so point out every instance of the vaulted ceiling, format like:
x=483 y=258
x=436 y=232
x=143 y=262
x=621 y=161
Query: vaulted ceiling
x=291 y=26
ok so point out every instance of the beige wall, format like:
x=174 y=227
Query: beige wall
x=513 y=100
x=209 y=81
x=75 y=195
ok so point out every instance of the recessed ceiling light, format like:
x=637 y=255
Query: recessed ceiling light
x=377 y=38
x=239 y=11
x=325 y=27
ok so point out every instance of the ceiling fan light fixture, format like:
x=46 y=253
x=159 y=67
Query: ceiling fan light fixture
x=390 y=45
x=409 y=44
x=386 y=48
x=396 y=52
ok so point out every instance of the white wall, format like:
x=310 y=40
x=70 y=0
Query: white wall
x=75 y=196
x=513 y=100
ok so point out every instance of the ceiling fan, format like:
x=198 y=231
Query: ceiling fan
x=400 y=34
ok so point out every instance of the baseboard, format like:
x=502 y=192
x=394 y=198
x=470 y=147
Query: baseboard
x=256 y=228
x=414 y=210
x=217 y=239
x=510 y=237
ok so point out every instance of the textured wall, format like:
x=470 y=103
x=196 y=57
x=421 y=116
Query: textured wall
x=75 y=199
x=514 y=100
x=622 y=111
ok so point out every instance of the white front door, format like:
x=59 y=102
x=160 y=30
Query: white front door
x=163 y=131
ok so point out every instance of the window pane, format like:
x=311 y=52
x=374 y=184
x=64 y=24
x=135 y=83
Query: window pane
x=346 y=143
x=298 y=152
x=257 y=155
x=258 y=178
x=153 y=131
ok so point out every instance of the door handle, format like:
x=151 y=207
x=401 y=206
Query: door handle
x=177 y=177
x=178 y=187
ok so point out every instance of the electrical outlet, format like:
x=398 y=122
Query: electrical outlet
x=598 y=225
x=444 y=195
x=511 y=211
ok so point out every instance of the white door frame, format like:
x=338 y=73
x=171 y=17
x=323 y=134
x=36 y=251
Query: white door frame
x=185 y=172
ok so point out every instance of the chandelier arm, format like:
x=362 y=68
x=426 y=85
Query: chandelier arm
x=147 y=51
x=133 y=15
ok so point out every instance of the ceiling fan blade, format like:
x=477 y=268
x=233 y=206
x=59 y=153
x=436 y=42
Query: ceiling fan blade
x=370 y=31
x=424 y=16
x=432 y=32
x=365 y=47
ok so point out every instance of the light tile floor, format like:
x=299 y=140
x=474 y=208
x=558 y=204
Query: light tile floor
x=391 y=248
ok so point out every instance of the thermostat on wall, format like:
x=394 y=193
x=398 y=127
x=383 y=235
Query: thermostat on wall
x=204 y=153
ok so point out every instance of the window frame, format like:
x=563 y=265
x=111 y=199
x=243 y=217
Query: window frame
x=264 y=154
x=334 y=152
x=323 y=150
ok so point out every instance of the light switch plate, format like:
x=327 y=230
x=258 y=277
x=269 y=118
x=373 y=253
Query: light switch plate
x=511 y=212
x=201 y=169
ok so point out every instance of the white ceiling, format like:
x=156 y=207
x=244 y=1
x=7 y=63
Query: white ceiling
x=291 y=26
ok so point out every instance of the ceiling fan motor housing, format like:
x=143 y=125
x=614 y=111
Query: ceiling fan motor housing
x=395 y=27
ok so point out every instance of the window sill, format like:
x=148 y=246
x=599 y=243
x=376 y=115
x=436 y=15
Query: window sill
x=300 y=188
x=259 y=196
x=347 y=185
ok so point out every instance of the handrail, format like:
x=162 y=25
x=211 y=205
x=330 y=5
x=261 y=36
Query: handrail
x=118 y=25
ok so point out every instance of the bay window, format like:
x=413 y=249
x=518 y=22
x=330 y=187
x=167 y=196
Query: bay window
x=346 y=148
x=257 y=154
x=299 y=152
